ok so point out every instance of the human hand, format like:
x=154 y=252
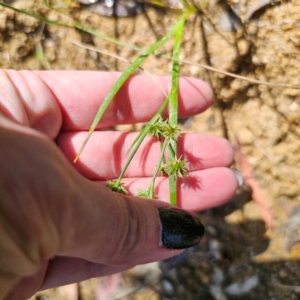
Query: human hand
x=60 y=225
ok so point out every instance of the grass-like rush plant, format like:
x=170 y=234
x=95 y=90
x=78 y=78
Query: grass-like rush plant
x=165 y=131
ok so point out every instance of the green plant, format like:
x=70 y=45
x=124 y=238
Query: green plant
x=166 y=131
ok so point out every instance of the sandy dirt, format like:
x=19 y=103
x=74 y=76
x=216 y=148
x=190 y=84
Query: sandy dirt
x=240 y=256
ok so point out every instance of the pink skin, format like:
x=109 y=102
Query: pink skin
x=65 y=227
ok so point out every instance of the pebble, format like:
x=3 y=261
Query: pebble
x=238 y=289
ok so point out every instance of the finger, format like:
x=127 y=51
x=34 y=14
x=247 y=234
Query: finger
x=104 y=156
x=81 y=93
x=60 y=271
x=198 y=191
x=117 y=230
x=43 y=99
x=29 y=285
x=66 y=270
x=27 y=100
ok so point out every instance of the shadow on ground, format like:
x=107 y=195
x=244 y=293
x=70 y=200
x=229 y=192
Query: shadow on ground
x=223 y=265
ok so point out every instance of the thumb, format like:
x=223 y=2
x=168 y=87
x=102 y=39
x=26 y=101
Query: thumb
x=47 y=209
x=116 y=230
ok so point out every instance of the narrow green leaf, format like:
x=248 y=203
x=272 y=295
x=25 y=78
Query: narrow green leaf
x=121 y=80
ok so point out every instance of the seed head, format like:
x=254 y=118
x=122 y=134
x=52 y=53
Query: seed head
x=115 y=186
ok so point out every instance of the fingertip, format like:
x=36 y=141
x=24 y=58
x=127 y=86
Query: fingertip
x=227 y=152
x=200 y=190
x=36 y=105
x=207 y=188
x=197 y=94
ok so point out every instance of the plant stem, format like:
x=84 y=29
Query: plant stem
x=173 y=106
x=121 y=80
x=162 y=155
x=140 y=138
x=139 y=142
x=152 y=121
x=22 y=11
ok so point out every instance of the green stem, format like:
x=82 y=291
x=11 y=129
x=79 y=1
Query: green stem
x=125 y=75
x=162 y=155
x=22 y=11
x=173 y=106
x=140 y=138
x=151 y=122
x=161 y=149
x=139 y=142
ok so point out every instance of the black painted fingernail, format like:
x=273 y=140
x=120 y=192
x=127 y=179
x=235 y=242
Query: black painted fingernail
x=179 y=229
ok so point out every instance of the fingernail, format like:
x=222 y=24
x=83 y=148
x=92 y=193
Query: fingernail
x=238 y=176
x=179 y=229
